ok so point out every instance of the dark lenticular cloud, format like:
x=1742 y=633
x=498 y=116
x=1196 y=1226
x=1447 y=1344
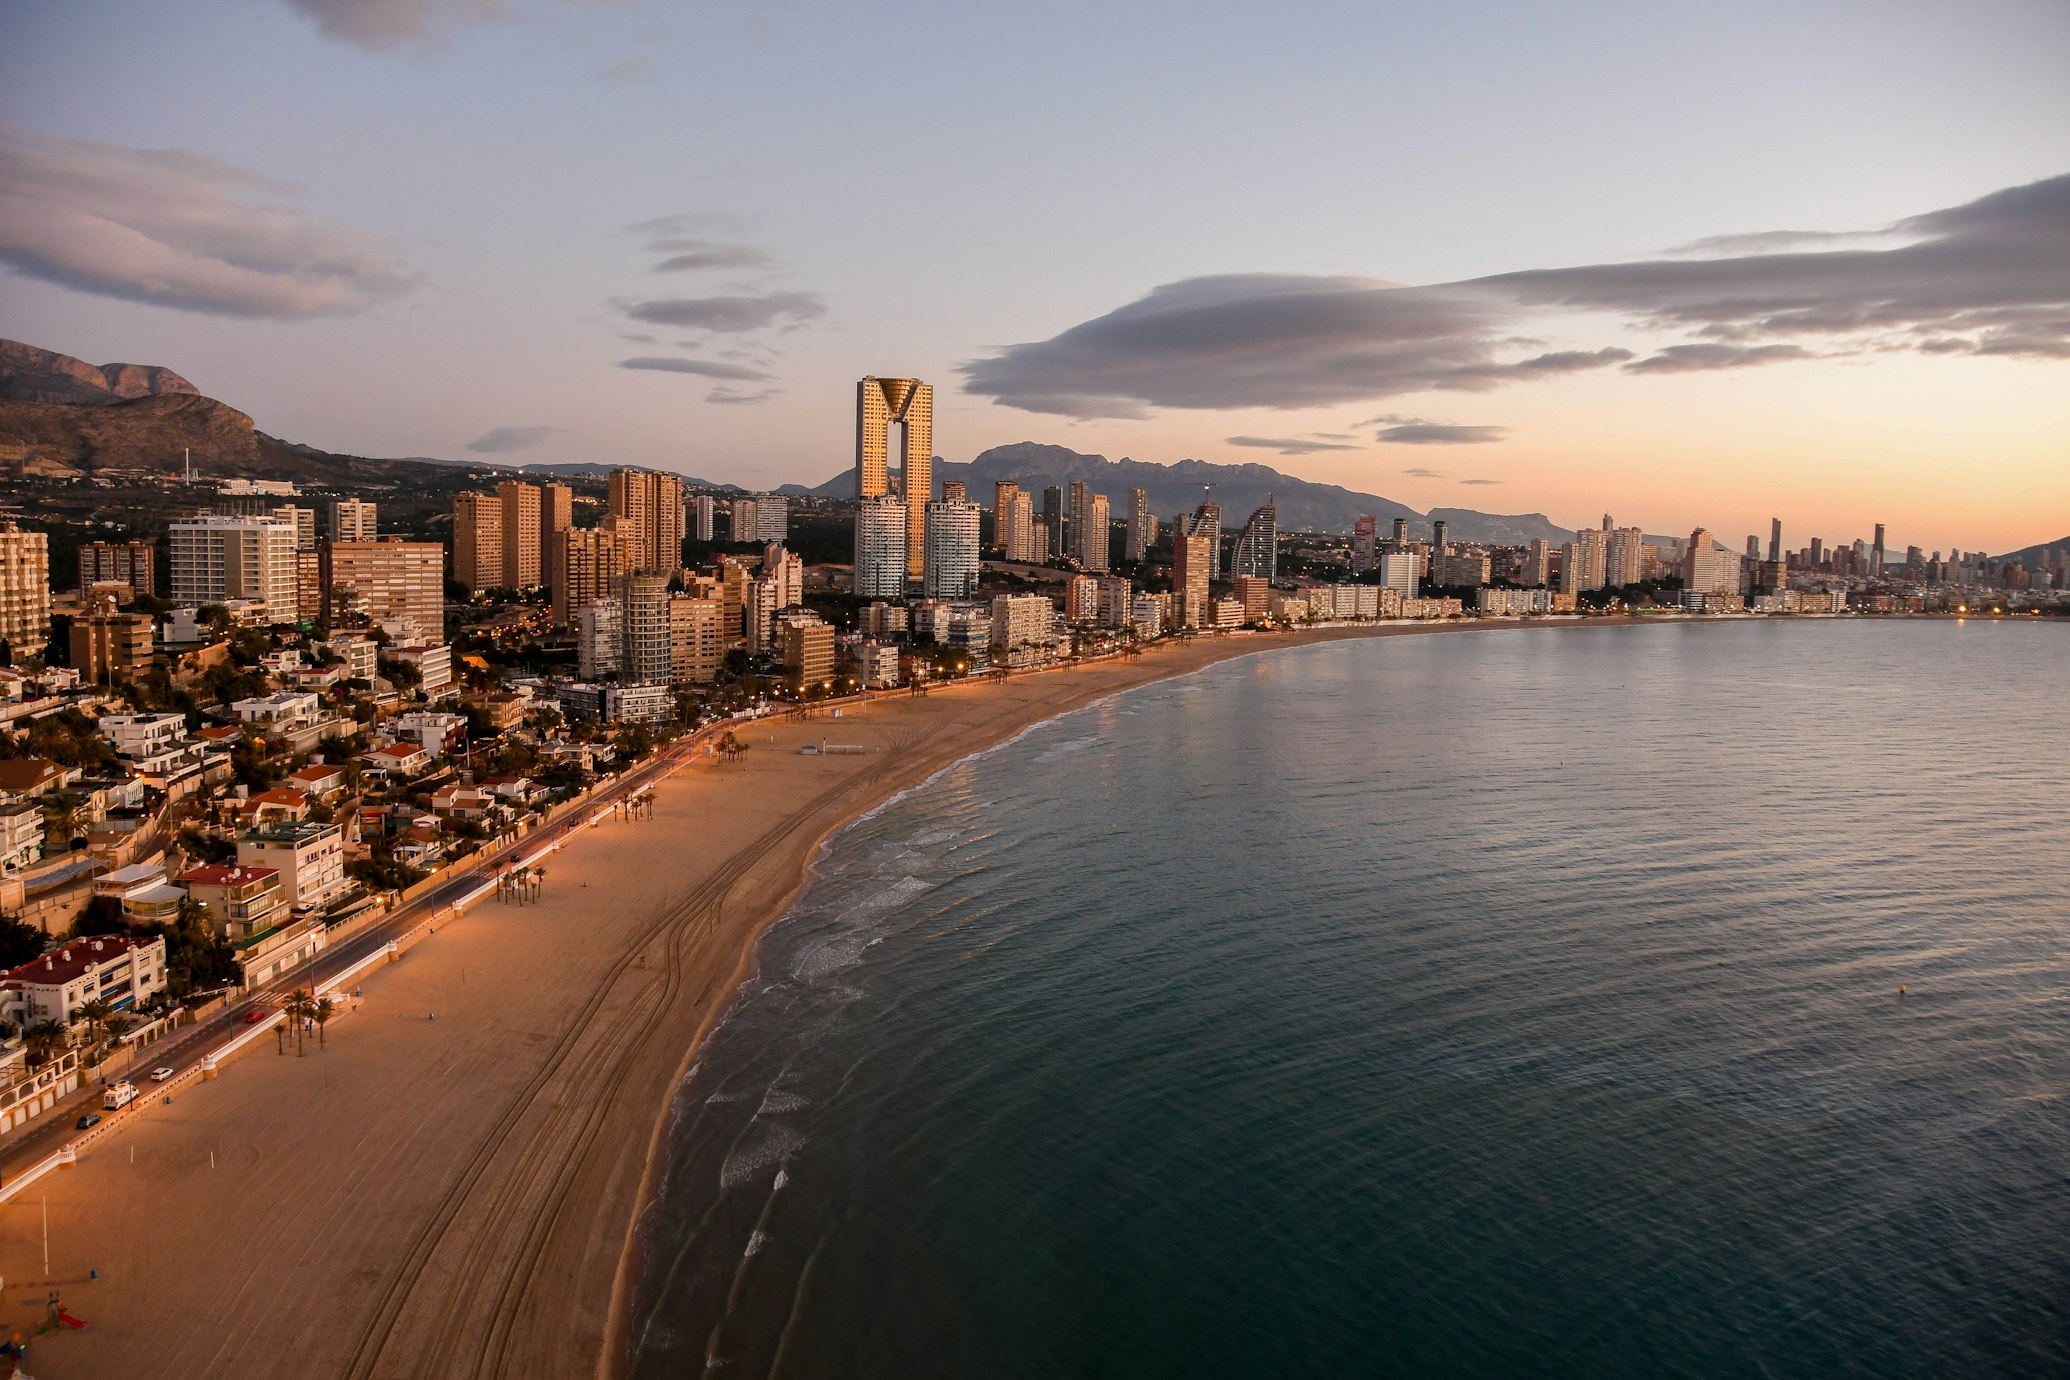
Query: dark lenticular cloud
x=1439 y=434
x=1480 y=481
x=703 y=368
x=1690 y=359
x=1285 y=445
x=1991 y=277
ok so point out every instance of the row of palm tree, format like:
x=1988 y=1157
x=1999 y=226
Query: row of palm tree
x=301 y=1008
x=520 y=884
x=730 y=747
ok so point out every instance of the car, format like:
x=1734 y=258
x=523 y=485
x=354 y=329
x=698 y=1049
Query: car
x=159 y=1075
x=89 y=1120
x=254 y=1017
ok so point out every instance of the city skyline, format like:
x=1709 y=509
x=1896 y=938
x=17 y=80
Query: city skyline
x=1087 y=272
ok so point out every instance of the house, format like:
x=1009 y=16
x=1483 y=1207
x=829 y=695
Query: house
x=267 y=953
x=502 y=712
x=318 y=781
x=462 y=802
x=241 y=901
x=122 y=970
x=282 y=804
x=22 y=777
x=14 y=686
x=437 y=733
x=280 y=711
x=513 y=790
x=157 y=904
x=221 y=735
x=309 y=857
x=124 y=880
x=396 y=762
x=137 y=736
x=21 y=834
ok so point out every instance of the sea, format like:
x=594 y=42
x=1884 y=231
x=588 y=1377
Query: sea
x=1676 y=1000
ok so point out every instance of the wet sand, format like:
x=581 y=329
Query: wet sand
x=453 y=1197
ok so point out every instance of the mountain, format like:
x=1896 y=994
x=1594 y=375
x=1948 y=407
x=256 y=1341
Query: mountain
x=1304 y=506
x=2035 y=554
x=30 y=374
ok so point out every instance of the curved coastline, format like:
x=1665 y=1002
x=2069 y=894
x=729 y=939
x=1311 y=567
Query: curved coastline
x=611 y=1363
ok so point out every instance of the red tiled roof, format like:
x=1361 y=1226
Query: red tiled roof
x=61 y=965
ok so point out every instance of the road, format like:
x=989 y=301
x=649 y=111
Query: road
x=185 y=1048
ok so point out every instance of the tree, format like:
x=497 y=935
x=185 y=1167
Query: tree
x=321 y=1013
x=299 y=1007
x=94 y=1013
x=19 y=942
x=44 y=1039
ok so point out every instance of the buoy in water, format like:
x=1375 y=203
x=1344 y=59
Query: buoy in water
x=1901 y=989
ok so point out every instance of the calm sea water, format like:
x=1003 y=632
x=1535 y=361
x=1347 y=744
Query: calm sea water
x=1500 y=1004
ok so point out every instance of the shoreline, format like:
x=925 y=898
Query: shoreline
x=447 y=1199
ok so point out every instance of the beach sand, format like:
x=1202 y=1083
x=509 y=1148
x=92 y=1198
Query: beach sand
x=453 y=1197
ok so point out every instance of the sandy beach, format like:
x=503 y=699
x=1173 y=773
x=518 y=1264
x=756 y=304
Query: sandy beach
x=452 y=1196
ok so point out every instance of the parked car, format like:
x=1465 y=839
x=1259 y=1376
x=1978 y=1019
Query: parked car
x=89 y=1120
x=159 y=1075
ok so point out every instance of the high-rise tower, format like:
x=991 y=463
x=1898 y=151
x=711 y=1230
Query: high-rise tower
x=910 y=403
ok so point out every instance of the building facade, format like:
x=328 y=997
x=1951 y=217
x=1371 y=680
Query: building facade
x=398 y=585
x=218 y=559
x=949 y=569
x=880 y=547
x=879 y=403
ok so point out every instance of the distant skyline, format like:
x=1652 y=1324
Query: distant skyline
x=1808 y=260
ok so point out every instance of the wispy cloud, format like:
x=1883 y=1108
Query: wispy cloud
x=729 y=314
x=630 y=72
x=1690 y=359
x=738 y=397
x=504 y=439
x=379 y=26
x=1439 y=434
x=1418 y=472
x=703 y=368
x=1285 y=445
x=1990 y=277
x=1471 y=482
x=180 y=230
x=698 y=255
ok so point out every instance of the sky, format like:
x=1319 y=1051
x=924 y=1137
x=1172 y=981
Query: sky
x=1685 y=265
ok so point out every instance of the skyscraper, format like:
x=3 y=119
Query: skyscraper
x=25 y=588
x=950 y=558
x=1441 y=533
x=1098 y=540
x=1207 y=522
x=1191 y=555
x=909 y=403
x=1021 y=543
x=649 y=506
x=1075 y=515
x=217 y=558
x=1053 y=521
x=1624 y=557
x=1365 y=534
x=1775 y=539
x=880 y=547
x=644 y=625
x=556 y=515
x=398 y=585
x=1582 y=566
x=1400 y=570
x=128 y=562
x=478 y=540
x=592 y=564
x=1401 y=533
x=1876 y=552
x=1537 y=570
x=702 y=509
x=1142 y=527
x=351 y=520
x=1707 y=570
x=1003 y=494
x=1257 y=546
x=521 y=547
x=956 y=491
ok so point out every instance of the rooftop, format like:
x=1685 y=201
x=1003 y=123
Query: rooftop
x=225 y=874
x=72 y=960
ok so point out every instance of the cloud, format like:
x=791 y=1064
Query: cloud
x=504 y=439
x=1420 y=473
x=630 y=72
x=663 y=232
x=1440 y=434
x=702 y=368
x=1480 y=481
x=741 y=396
x=704 y=254
x=1990 y=277
x=381 y=25
x=1690 y=359
x=730 y=314
x=180 y=230
x=1285 y=445
x=1334 y=435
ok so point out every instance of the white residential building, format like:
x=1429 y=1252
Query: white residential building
x=218 y=559
x=880 y=547
x=120 y=970
x=950 y=562
x=310 y=859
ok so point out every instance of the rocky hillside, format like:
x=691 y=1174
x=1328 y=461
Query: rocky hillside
x=30 y=374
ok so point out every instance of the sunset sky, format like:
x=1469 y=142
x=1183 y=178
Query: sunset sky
x=1507 y=256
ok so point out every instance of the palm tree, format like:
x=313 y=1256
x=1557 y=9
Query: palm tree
x=43 y=1039
x=321 y=1013
x=297 y=1007
x=538 y=881
x=94 y=1013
